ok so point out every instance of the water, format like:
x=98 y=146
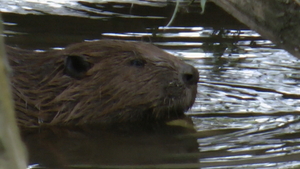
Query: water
x=246 y=113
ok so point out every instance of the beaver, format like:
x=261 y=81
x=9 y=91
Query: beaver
x=100 y=82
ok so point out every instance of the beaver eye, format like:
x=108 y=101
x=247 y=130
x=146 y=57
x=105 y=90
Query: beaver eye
x=137 y=62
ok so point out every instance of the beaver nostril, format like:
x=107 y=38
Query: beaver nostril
x=190 y=75
x=187 y=77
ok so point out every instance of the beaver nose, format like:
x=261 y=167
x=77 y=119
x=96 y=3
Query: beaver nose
x=190 y=75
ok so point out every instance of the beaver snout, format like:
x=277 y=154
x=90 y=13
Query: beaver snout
x=189 y=75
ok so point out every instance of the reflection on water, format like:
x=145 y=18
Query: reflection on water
x=247 y=109
x=119 y=146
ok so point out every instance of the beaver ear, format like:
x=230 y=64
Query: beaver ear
x=76 y=66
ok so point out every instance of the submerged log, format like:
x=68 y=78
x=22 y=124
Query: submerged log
x=276 y=20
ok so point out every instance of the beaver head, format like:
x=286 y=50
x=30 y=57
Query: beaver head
x=103 y=82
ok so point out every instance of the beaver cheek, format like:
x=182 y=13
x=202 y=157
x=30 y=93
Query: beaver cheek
x=174 y=90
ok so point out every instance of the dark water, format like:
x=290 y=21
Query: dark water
x=246 y=114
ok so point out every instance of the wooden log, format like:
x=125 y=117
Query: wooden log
x=276 y=20
x=12 y=151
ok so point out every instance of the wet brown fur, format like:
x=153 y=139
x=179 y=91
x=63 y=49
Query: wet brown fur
x=113 y=90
